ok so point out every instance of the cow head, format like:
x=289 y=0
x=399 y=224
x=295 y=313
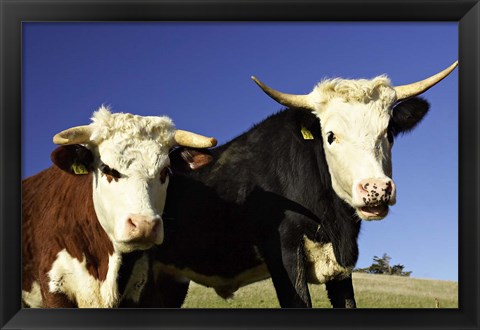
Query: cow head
x=359 y=120
x=128 y=158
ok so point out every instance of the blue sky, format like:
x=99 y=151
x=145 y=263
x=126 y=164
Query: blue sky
x=199 y=75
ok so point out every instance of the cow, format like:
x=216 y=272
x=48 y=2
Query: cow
x=91 y=219
x=285 y=199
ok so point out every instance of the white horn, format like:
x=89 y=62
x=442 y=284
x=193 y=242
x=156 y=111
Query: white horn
x=189 y=139
x=289 y=100
x=414 y=89
x=74 y=135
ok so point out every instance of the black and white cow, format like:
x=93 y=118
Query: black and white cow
x=285 y=199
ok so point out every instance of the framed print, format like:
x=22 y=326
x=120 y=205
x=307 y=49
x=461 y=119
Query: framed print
x=193 y=61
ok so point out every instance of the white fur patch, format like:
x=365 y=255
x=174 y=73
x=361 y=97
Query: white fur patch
x=355 y=90
x=71 y=277
x=322 y=264
x=33 y=298
x=107 y=125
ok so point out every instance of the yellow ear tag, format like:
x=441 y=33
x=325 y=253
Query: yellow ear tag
x=307 y=135
x=79 y=168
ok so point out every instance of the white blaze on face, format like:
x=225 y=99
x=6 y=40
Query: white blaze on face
x=131 y=152
x=354 y=117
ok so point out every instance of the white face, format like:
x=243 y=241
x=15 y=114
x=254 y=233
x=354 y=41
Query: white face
x=129 y=180
x=358 y=150
x=135 y=197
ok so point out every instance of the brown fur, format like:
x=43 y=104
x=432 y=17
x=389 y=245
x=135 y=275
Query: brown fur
x=58 y=213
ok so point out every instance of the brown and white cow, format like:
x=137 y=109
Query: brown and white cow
x=89 y=220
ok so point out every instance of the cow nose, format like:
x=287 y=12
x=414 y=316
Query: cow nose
x=376 y=191
x=142 y=228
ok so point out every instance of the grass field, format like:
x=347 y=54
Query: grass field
x=371 y=291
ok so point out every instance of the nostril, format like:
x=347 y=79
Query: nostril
x=143 y=228
x=363 y=187
x=131 y=224
x=156 y=226
x=388 y=188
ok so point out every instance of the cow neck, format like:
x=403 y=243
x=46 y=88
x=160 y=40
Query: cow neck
x=287 y=148
x=274 y=158
x=342 y=217
x=78 y=228
x=97 y=245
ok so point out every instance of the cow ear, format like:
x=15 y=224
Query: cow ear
x=186 y=159
x=73 y=159
x=407 y=114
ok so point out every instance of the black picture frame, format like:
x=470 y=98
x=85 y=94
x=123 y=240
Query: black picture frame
x=14 y=12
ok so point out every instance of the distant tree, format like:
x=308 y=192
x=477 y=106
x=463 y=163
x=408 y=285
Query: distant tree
x=381 y=265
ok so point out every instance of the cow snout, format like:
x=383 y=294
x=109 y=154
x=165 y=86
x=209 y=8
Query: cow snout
x=372 y=192
x=143 y=229
x=372 y=197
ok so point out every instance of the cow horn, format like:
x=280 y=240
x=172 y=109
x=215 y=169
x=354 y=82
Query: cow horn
x=289 y=100
x=74 y=135
x=414 y=89
x=189 y=139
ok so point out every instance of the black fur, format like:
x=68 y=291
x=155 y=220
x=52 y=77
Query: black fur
x=407 y=114
x=263 y=191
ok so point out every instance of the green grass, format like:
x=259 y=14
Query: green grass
x=371 y=291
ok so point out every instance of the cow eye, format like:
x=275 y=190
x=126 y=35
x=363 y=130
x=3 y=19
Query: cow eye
x=164 y=173
x=330 y=137
x=109 y=171
x=114 y=173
